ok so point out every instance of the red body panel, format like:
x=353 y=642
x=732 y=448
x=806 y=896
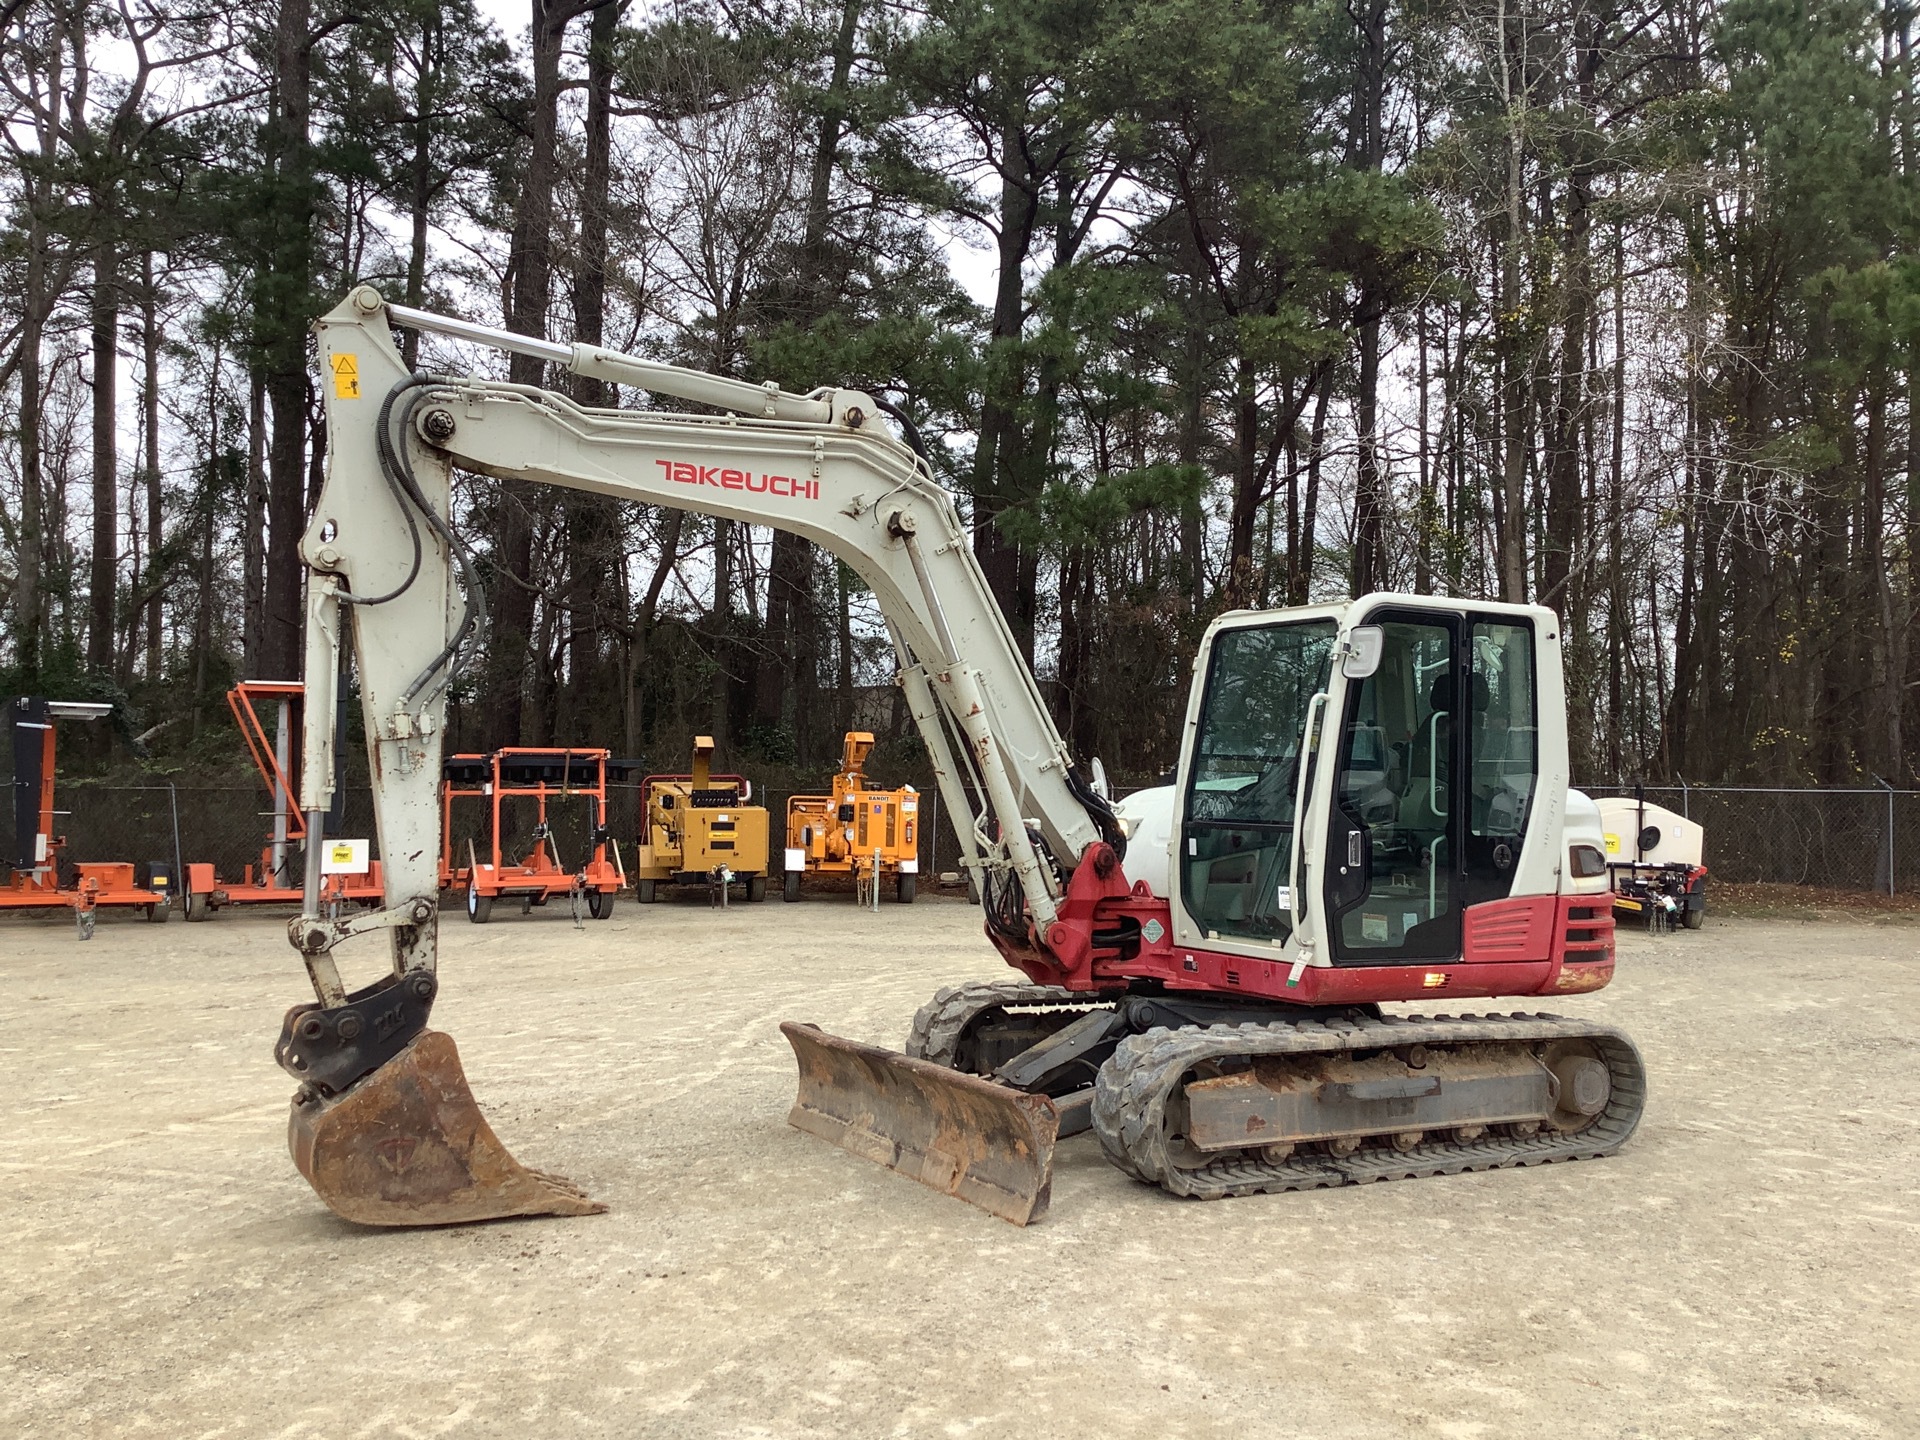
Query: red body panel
x=1527 y=945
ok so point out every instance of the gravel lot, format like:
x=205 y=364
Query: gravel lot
x=1748 y=1266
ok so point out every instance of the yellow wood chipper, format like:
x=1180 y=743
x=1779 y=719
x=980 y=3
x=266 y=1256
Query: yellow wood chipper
x=698 y=829
x=859 y=831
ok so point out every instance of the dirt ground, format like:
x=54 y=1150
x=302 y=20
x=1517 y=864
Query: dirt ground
x=1747 y=1266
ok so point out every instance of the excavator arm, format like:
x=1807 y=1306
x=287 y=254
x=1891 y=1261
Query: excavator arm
x=384 y=1126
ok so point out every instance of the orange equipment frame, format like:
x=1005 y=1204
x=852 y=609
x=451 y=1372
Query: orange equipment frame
x=538 y=876
x=857 y=830
x=35 y=881
x=267 y=883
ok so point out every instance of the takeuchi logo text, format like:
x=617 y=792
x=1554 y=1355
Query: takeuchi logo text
x=685 y=472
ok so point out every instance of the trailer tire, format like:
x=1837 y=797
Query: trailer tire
x=159 y=914
x=600 y=903
x=790 y=887
x=756 y=889
x=645 y=892
x=195 y=907
x=904 y=890
x=479 y=907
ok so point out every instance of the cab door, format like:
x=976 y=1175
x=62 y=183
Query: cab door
x=1435 y=772
x=1392 y=886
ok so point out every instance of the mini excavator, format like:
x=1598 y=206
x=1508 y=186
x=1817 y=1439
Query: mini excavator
x=1371 y=806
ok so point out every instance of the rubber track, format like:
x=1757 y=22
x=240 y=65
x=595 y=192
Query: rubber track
x=1130 y=1098
x=939 y=1025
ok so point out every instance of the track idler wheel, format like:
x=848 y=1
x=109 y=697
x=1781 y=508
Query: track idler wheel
x=407 y=1145
x=1581 y=1085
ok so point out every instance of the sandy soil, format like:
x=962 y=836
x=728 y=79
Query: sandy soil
x=1746 y=1267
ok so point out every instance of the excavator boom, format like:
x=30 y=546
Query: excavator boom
x=385 y=1126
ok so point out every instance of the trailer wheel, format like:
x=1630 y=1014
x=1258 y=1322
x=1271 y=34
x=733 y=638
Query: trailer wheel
x=196 y=907
x=1695 y=914
x=600 y=903
x=645 y=891
x=906 y=888
x=790 y=887
x=159 y=914
x=756 y=889
x=479 y=907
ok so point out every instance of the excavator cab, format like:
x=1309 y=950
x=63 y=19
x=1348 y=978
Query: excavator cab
x=1432 y=749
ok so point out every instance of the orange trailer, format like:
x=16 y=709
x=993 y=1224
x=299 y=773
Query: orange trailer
x=539 y=875
x=37 y=882
x=276 y=879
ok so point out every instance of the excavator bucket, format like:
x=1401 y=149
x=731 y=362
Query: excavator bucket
x=407 y=1145
x=957 y=1133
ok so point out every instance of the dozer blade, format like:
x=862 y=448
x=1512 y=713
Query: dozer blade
x=407 y=1145
x=985 y=1143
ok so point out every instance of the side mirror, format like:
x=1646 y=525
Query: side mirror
x=1364 y=646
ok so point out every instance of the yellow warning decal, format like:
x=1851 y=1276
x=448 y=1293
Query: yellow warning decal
x=1613 y=844
x=343 y=854
x=346 y=377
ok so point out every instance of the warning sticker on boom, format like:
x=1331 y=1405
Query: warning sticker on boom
x=346 y=377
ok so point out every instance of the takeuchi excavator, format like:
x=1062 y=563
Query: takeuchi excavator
x=1371 y=806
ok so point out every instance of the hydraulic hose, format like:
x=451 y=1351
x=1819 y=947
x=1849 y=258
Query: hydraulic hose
x=396 y=468
x=390 y=472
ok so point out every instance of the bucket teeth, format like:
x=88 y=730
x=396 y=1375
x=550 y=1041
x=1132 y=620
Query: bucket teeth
x=984 y=1143
x=407 y=1145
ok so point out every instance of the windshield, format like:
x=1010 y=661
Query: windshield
x=1244 y=772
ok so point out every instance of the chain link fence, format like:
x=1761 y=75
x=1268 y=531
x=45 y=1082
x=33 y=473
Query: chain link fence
x=1840 y=838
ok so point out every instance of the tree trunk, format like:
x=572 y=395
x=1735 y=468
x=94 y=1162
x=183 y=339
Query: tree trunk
x=720 y=628
x=788 y=679
x=432 y=48
x=1369 y=518
x=1310 y=512
x=284 y=315
x=31 y=541
x=253 y=536
x=844 y=618
x=1513 y=358
x=150 y=446
x=998 y=457
x=640 y=640
x=103 y=572
x=530 y=262
x=1367 y=151
x=1619 y=631
x=594 y=556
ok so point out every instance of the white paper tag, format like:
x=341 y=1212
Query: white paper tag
x=344 y=857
